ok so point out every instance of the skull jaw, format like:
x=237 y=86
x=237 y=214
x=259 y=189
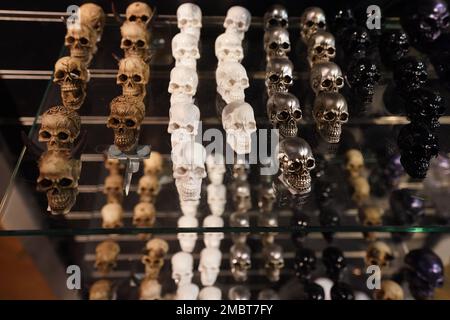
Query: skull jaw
x=73 y=95
x=297 y=184
x=240 y=144
x=288 y=129
x=207 y=277
x=186 y=62
x=239 y=274
x=233 y=95
x=84 y=55
x=127 y=141
x=63 y=202
x=330 y=133
x=273 y=88
x=135 y=91
x=188 y=190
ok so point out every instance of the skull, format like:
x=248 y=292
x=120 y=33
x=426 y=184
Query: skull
x=113 y=166
x=185 y=50
x=154 y=164
x=232 y=80
x=279 y=75
x=144 y=215
x=334 y=262
x=189 y=17
x=148 y=188
x=210 y=293
x=267 y=219
x=127 y=113
x=154 y=260
x=394 y=45
x=183 y=80
x=266 y=198
x=240 y=170
x=187 y=239
x=81 y=41
x=241 y=196
x=284 y=112
x=58 y=178
x=410 y=74
x=296 y=162
x=189 y=169
x=424 y=105
x=228 y=47
x=189 y=207
x=93 y=15
x=60 y=127
x=370 y=216
x=341 y=291
x=321 y=48
x=330 y=112
x=277 y=43
x=139 y=12
x=354 y=163
x=240 y=261
x=273 y=261
x=389 y=290
x=184 y=119
x=241 y=220
x=72 y=76
x=215 y=165
x=113 y=188
x=326 y=76
x=112 y=214
x=101 y=290
x=304 y=263
x=212 y=239
x=217 y=198
x=406 y=207
x=356 y=42
x=106 y=254
x=378 y=253
x=312 y=20
x=237 y=20
x=343 y=19
x=182 y=266
x=239 y=123
x=135 y=41
x=276 y=16
x=239 y=293
x=133 y=76
x=187 y=291
x=329 y=217
x=150 y=289
x=314 y=291
x=210 y=259
x=362 y=77
x=361 y=190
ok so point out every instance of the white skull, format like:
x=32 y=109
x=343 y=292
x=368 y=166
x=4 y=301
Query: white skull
x=112 y=214
x=232 y=80
x=228 y=47
x=239 y=123
x=81 y=41
x=312 y=20
x=238 y=20
x=150 y=289
x=330 y=112
x=139 y=12
x=182 y=268
x=187 y=239
x=183 y=80
x=60 y=127
x=185 y=50
x=179 y=97
x=135 y=40
x=217 y=198
x=215 y=165
x=133 y=76
x=144 y=214
x=326 y=76
x=113 y=188
x=209 y=267
x=189 y=207
x=212 y=239
x=93 y=15
x=189 y=19
x=210 y=293
x=321 y=48
x=354 y=163
x=187 y=291
x=184 y=120
x=106 y=254
x=154 y=164
x=189 y=169
x=148 y=188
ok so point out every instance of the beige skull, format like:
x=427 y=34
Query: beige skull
x=114 y=166
x=361 y=190
x=370 y=216
x=139 y=12
x=133 y=76
x=326 y=76
x=113 y=188
x=390 y=290
x=354 y=163
x=81 y=41
x=148 y=188
x=153 y=166
x=135 y=41
x=154 y=260
x=101 y=290
x=60 y=127
x=321 y=47
x=144 y=215
x=93 y=15
x=378 y=253
x=106 y=254
x=150 y=289
x=112 y=214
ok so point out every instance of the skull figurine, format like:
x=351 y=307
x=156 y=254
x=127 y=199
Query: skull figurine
x=101 y=290
x=237 y=20
x=240 y=220
x=135 y=41
x=284 y=112
x=133 y=76
x=361 y=190
x=154 y=260
x=394 y=45
x=242 y=196
x=144 y=215
x=343 y=19
x=114 y=166
x=183 y=80
x=189 y=169
x=210 y=293
x=228 y=47
x=279 y=75
x=266 y=198
x=239 y=292
x=321 y=48
x=341 y=291
x=139 y=12
x=276 y=16
x=217 y=198
x=113 y=188
x=268 y=219
x=94 y=16
x=184 y=119
x=112 y=214
x=378 y=253
x=314 y=291
x=189 y=18
x=81 y=41
x=187 y=291
x=153 y=166
x=189 y=207
x=312 y=20
x=232 y=80
x=356 y=42
x=185 y=50
x=187 y=239
x=182 y=266
x=58 y=178
x=362 y=77
x=72 y=76
x=215 y=165
x=60 y=127
x=424 y=105
x=296 y=162
x=148 y=188
x=273 y=261
x=326 y=76
x=212 y=239
x=330 y=112
x=277 y=43
x=409 y=74
x=304 y=263
x=334 y=262
x=354 y=163
x=210 y=259
x=106 y=254
x=239 y=123
x=240 y=261
x=127 y=113
x=370 y=216
x=389 y=290
x=406 y=207
x=150 y=289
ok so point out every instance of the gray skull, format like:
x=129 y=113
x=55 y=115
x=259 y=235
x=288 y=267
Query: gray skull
x=284 y=112
x=273 y=261
x=330 y=112
x=279 y=75
x=276 y=16
x=277 y=43
x=240 y=261
x=326 y=76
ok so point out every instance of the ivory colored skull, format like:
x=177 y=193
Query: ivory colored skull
x=370 y=216
x=139 y=12
x=101 y=290
x=182 y=268
x=144 y=215
x=185 y=50
x=153 y=165
x=113 y=188
x=189 y=169
x=127 y=113
x=112 y=215
x=326 y=76
x=330 y=113
x=94 y=16
x=81 y=41
x=209 y=267
x=277 y=42
x=187 y=239
x=217 y=198
x=389 y=290
x=210 y=293
x=184 y=119
x=213 y=239
x=239 y=292
x=148 y=188
x=154 y=260
x=273 y=261
x=133 y=76
x=239 y=122
x=354 y=163
x=150 y=289
x=378 y=253
x=361 y=190
x=135 y=41
x=279 y=75
x=72 y=76
x=106 y=254
x=187 y=291
x=58 y=178
x=321 y=48
x=312 y=20
x=237 y=20
x=189 y=19
x=60 y=127
x=232 y=80
x=215 y=165
x=228 y=47
x=240 y=255
x=113 y=166
x=189 y=207
x=183 y=80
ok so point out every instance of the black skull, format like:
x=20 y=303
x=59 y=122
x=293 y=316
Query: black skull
x=301 y=222
x=342 y=20
x=406 y=207
x=324 y=192
x=304 y=264
x=425 y=106
x=410 y=74
x=440 y=58
x=425 y=272
x=334 y=261
x=329 y=217
x=394 y=45
x=314 y=291
x=341 y=291
x=356 y=42
x=362 y=76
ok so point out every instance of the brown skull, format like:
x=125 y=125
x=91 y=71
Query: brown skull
x=60 y=127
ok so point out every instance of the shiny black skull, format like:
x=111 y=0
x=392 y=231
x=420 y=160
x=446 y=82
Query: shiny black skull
x=342 y=291
x=314 y=291
x=406 y=207
x=300 y=221
x=409 y=74
x=334 y=261
x=304 y=263
x=362 y=76
x=356 y=42
x=425 y=272
x=342 y=20
x=425 y=106
x=329 y=217
x=324 y=191
x=394 y=45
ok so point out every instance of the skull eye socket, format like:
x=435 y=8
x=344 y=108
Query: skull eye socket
x=228 y=22
x=273 y=22
x=330 y=50
x=127 y=43
x=45 y=134
x=132 y=18
x=309 y=23
x=140 y=44
x=70 y=39
x=190 y=128
x=285 y=45
x=59 y=74
x=339 y=81
x=63 y=136
x=84 y=41
x=321 y=25
x=329 y=116
x=144 y=18
x=294 y=166
x=45 y=183
x=283 y=116
x=75 y=73
x=319 y=49
x=344 y=116
x=287 y=79
x=327 y=83
x=297 y=114
x=123 y=77
x=310 y=163
x=283 y=22
x=273 y=46
x=65 y=182
x=130 y=123
x=137 y=78
x=188 y=88
x=274 y=78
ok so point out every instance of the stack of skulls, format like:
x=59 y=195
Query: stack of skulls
x=112 y=212
x=156 y=251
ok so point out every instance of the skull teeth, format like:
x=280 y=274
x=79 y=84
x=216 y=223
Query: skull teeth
x=60 y=202
x=288 y=131
x=302 y=183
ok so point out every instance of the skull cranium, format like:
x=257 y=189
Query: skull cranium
x=232 y=80
x=93 y=15
x=139 y=12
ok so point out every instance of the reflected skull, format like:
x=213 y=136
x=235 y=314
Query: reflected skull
x=113 y=188
x=112 y=214
x=153 y=166
x=266 y=198
x=209 y=267
x=312 y=20
x=240 y=261
x=148 y=188
x=215 y=165
x=378 y=253
x=389 y=290
x=354 y=163
x=101 y=290
x=150 y=289
x=144 y=214
x=60 y=127
x=154 y=260
x=241 y=196
x=273 y=261
x=182 y=267
x=187 y=239
x=213 y=239
x=217 y=198
x=279 y=75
